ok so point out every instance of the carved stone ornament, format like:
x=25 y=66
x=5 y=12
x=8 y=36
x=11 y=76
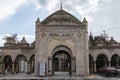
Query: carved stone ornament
x=79 y=35
x=43 y=34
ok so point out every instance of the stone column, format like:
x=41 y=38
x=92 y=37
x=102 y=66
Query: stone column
x=117 y=62
x=17 y=67
x=109 y=63
x=60 y=64
x=1 y=67
x=28 y=67
x=94 y=66
x=50 y=66
x=13 y=68
x=105 y=63
x=73 y=66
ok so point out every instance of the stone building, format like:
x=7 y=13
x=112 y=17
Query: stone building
x=61 y=46
x=103 y=53
x=61 y=42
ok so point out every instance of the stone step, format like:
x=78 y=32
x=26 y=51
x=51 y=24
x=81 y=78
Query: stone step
x=61 y=74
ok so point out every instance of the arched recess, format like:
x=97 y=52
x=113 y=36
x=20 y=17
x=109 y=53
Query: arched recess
x=61 y=59
x=115 y=60
x=8 y=63
x=21 y=64
x=32 y=63
x=91 y=64
x=62 y=47
x=101 y=61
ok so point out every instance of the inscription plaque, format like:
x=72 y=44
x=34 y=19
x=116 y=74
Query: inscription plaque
x=60 y=34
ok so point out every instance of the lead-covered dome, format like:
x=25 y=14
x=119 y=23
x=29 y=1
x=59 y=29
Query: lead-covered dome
x=61 y=17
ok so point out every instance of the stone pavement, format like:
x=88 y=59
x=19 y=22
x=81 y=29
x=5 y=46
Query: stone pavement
x=31 y=76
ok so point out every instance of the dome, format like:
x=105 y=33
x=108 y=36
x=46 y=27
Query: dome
x=112 y=41
x=10 y=40
x=23 y=41
x=99 y=40
x=61 y=17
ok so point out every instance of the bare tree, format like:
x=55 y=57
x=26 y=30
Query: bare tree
x=13 y=36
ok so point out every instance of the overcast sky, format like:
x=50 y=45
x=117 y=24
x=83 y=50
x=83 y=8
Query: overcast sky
x=19 y=16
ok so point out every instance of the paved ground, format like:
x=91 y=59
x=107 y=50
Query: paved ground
x=99 y=77
x=90 y=77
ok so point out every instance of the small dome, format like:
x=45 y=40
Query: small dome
x=100 y=41
x=10 y=40
x=112 y=41
x=61 y=17
x=23 y=41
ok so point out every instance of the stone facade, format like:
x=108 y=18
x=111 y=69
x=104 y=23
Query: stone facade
x=62 y=30
x=61 y=42
x=13 y=53
x=103 y=53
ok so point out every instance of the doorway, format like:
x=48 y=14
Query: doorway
x=61 y=62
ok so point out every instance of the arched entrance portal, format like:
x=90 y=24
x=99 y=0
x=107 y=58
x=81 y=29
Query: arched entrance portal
x=61 y=60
